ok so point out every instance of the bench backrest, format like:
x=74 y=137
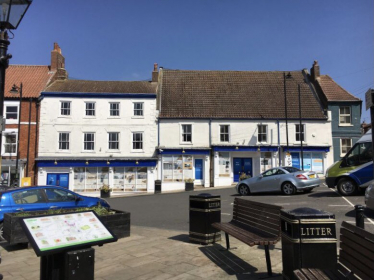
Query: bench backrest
x=357 y=250
x=264 y=217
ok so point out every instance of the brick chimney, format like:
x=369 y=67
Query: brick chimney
x=57 y=59
x=155 y=73
x=314 y=71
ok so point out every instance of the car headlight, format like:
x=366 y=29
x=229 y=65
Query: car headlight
x=368 y=189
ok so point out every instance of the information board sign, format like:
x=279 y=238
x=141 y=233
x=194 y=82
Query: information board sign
x=50 y=234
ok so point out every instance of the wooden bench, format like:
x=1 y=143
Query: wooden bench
x=356 y=257
x=253 y=223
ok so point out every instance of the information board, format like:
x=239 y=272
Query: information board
x=50 y=234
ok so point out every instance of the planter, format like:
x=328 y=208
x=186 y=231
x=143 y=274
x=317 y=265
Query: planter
x=104 y=194
x=189 y=186
x=118 y=223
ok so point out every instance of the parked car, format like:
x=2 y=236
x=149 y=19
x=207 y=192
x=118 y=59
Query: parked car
x=42 y=198
x=369 y=197
x=287 y=179
x=4 y=187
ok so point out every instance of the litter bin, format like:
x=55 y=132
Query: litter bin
x=157 y=186
x=205 y=209
x=308 y=240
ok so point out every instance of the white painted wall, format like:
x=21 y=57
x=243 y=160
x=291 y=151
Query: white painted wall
x=51 y=123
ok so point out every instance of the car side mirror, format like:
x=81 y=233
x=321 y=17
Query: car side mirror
x=77 y=198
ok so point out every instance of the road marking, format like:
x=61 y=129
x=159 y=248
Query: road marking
x=350 y=203
x=344 y=205
x=227 y=214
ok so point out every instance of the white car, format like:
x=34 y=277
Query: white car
x=369 y=196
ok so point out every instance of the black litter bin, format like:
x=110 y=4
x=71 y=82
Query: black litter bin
x=308 y=240
x=157 y=186
x=205 y=209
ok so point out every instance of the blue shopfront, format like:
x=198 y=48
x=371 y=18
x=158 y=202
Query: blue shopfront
x=91 y=175
x=311 y=159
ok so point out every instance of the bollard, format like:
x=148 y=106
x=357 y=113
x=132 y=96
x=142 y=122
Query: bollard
x=360 y=216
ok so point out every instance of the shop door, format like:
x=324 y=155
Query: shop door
x=242 y=165
x=295 y=160
x=198 y=169
x=58 y=179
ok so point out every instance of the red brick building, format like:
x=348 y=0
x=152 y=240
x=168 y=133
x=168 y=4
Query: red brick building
x=23 y=119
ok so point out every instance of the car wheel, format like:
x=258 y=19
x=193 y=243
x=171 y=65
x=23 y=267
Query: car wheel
x=243 y=190
x=347 y=187
x=2 y=231
x=288 y=188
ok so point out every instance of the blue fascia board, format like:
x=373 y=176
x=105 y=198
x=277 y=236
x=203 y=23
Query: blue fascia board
x=244 y=119
x=186 y=152
x=96 y=163
x=307 y=149
x=98 y=95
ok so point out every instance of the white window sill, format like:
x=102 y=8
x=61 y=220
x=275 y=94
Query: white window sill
x=89 y=117
x=114 y=117
x=65 y=116
x=299 y=143
x=137 y=117
x=64 y=151
x=88 y=151
x=186 y=143
x=12 y=121
x=348 y=124
x=113 y=151
x=137 y=151
x=262 y=143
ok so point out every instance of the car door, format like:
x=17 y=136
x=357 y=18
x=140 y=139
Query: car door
x=59 y=198
x=268 y=181
x=28 y=200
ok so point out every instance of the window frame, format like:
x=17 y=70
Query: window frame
x=11 y=104
x=224 y=134
x=61 y=142
x=93 y=109
x=111 y=110
x=85 y=142
x=298 y=133
x=134 y=141
x=341 y=146
x=262 y=134
x=345 y=115
x=109 y=141
x=68 y=110
x=13 y=133
x=138 y=110
x=186 y=133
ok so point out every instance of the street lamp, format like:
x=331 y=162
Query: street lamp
x=15 y=90
x=11 y=14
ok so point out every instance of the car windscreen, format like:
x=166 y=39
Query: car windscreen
x=291 y=169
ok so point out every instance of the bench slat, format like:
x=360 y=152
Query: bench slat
x=256 y=213
x=356 y=266
x=359 y=231
x=255 y=203
x=356 y=251
x=356 y=240
x=257 y=224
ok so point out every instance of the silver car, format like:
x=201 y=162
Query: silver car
x=287 y=179
x=369 y=197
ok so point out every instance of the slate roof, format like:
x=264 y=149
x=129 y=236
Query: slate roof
x=34 y=79
x=235 y=94
x=333 y=91
x=85 y=86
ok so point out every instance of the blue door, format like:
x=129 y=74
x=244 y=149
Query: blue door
x=242 y=165
x=295 y=160
x=58 y=179
x=198 y=169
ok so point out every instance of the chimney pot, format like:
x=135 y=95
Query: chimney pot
x=314 y=71
x=155 y=73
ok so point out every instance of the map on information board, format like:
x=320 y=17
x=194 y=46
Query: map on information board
x=58 y=232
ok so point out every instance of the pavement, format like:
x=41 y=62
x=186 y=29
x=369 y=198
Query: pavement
x=156 y=254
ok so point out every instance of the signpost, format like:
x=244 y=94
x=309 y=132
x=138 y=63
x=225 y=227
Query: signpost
x=288 y=159
x=56 y=239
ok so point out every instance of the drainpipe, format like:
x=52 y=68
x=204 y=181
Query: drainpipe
x=279 y=147
x=211 y=171
x=28 y=143
x=36 y=139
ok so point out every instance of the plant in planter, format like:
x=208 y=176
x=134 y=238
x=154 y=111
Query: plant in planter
x=244 y=176
x=105 y=191
x=189 y=185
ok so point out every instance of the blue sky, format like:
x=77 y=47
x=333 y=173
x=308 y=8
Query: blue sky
x=121 y=39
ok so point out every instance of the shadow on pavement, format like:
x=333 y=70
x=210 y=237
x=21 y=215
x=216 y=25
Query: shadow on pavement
x=324 y=194
x=181 y=237
x=16 y=247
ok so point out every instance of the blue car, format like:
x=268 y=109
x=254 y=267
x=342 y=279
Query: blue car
x=42 y=198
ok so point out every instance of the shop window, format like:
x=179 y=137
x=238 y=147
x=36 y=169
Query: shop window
x=141 y=178
x=224 y=164
x=177 y=168
x=79 y=178
x=89 y=141
x=345 y=115
x=114 y=109
x=91 y=178
x=65 y=108
x=138 y=109
x=187 y=133
x=90 y=109
x=224 y=133
x=265 y=161
x=63 y=141
x=103 y=176
x=118 y=178
x=262 y=133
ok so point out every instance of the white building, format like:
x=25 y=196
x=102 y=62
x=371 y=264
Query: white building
x=96 y=132
x=216 y=125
